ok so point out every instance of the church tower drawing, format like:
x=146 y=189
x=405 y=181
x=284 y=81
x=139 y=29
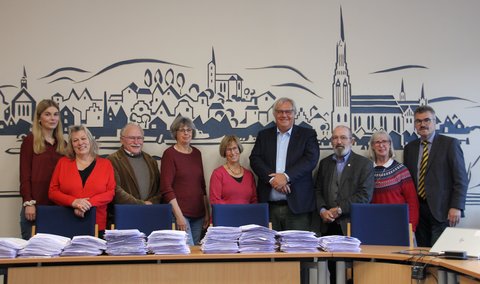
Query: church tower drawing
x=341 y=88
x=212 y=73
x=23 y=104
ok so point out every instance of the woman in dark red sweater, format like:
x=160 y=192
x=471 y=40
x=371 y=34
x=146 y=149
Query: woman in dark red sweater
x=393 y=183
x=39 y=154
x=182 y=182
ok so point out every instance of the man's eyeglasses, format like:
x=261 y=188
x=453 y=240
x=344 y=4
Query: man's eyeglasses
x=343 y=138
x=284 y=111
x=133 y=138
x=426 y=120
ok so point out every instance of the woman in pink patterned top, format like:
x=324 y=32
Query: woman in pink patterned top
x=231 y=183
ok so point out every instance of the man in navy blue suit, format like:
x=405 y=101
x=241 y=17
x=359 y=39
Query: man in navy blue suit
x=443 y=187
x=283 y=158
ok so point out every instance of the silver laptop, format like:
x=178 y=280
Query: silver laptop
x=458 y=239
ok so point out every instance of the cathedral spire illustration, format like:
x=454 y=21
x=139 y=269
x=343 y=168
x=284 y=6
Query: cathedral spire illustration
x=212 y=73
x=341 y=87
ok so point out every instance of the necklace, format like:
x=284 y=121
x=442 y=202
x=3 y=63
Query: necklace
x=185 y=150
x=233 y=172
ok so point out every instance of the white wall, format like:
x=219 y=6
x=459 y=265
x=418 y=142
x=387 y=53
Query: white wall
x=91 y=35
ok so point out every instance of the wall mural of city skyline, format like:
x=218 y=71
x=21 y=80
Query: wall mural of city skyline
x=226 y=103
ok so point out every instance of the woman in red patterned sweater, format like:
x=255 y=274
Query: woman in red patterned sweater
x=393 y=183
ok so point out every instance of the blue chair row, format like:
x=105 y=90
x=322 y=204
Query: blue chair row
x=373 y=224
x=60 y=220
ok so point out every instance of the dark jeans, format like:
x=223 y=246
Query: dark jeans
x=428 y=229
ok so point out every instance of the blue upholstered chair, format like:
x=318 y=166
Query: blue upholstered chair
x=235 y=215
x=145 y=218
x=60 y=220
x=381 y=224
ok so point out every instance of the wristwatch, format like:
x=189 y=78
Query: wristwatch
x=339 y=210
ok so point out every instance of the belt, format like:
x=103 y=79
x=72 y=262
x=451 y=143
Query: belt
x=278 y=202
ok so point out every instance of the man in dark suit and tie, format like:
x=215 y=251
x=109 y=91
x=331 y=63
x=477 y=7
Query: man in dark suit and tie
x=436 y=163
x=343 y=178
x=283 y=158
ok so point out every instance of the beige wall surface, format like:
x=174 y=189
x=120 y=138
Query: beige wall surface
x=87 y=54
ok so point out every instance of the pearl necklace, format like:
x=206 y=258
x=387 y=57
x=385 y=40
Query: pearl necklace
x=233 y=172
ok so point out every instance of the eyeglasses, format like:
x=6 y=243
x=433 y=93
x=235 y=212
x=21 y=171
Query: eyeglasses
x=140 y=138
x=232 y=149
x=381 y=142
x=426 y=120
x=284 y=111
x=343 y=138
x=185 y=130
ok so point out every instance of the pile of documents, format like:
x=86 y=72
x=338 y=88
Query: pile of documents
x=9 y=247
x=168 y=242
x=221 y=240
x=85 y=245
x=255 y=238
x=297 y=241
x=339 y=243
x=44 y=245
x=125 y=242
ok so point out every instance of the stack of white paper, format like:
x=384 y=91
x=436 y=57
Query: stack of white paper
x=85 y=245
x=339 y=243
x=168 y=242
x=297 y=241
x=125 y=242
x=221 y=240
x=9 y=247
x=46 y=245
x=255 y=238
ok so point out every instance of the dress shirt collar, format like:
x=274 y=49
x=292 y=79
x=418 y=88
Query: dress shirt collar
x=430 y=139
x=288 y=131
x=342 y=159
x=386 y=165
x=130 y=154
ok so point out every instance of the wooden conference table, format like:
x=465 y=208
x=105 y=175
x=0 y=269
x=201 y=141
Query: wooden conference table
x=375 y=264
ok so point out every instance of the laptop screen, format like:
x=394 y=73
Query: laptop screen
x=458 y=239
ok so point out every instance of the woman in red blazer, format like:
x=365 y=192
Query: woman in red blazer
x=83 y=180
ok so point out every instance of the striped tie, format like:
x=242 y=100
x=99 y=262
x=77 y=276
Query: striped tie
x=423 y=170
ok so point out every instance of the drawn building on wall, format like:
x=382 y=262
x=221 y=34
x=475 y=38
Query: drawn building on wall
x=366 y=114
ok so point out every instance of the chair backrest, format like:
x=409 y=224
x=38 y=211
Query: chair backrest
x=380 y=224
x=145 y=218
x=60 y=220
x=235 y=215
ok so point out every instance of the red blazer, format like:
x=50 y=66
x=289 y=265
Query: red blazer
x=66 y=186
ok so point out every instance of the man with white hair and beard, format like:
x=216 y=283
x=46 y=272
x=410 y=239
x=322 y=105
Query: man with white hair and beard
x=343 y=178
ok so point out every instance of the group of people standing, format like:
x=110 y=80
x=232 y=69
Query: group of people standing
x=432 y=180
